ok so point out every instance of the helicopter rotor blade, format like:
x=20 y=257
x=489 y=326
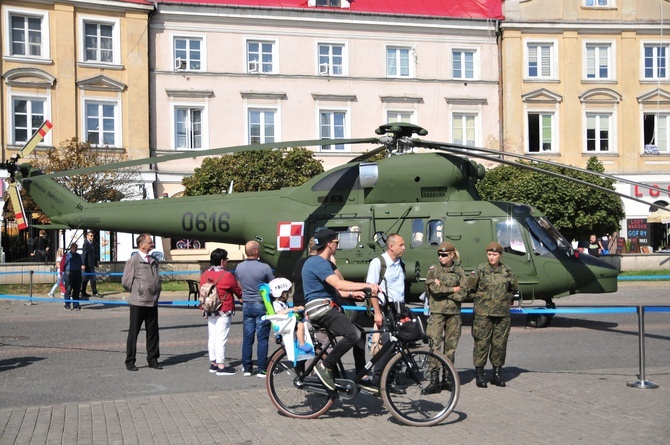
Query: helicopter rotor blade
x=467 y=152
x=17 y=204
x=496 y=153
x=35 y=139
x=204 y=153
x=367 y=155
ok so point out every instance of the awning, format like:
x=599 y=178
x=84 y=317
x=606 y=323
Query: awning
x=659 y=216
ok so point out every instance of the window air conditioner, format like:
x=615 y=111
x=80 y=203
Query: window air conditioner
x=179 y=64
x=324 y=69
x=253 y=66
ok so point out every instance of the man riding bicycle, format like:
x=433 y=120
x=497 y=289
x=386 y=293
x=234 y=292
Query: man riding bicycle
x=321 y=285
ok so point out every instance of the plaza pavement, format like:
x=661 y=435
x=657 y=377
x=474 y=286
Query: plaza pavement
x=63 y=381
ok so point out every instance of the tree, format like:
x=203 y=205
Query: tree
x=575 y=210
x=253 y=171
x=112 y=185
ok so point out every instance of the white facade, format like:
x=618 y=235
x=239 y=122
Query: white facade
x=226 y=76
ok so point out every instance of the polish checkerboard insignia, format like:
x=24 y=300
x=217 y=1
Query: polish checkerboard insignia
x=290 y=235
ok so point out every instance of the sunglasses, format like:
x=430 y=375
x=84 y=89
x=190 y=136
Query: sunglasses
x=442 y=254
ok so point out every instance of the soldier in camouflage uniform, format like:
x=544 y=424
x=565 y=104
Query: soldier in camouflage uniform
x=446 y=287
x=493 y=285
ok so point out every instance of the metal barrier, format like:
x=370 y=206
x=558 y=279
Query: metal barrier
x=641 y=383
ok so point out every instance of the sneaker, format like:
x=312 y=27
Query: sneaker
x=213 y=367
x=228 y=370
x=325 y=375
x=369 y=386
x=51 y=295
x=67 y=308
x=78 y=308
x=247 y=373
x=306 y=348
x=97 y=295
x=261 y=374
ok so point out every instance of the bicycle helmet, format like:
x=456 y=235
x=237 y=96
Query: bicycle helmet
x=281 y=287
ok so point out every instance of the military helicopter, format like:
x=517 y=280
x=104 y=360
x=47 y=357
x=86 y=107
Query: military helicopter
x=425 y=197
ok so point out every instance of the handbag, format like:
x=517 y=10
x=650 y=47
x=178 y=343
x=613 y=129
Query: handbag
x=317 y=308
x=411 y=329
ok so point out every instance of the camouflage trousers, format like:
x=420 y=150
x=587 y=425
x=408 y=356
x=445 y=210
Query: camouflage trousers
x=445 y=331
x=490 y=334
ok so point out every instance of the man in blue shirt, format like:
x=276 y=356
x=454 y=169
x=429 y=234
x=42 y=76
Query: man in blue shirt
x=321 y=282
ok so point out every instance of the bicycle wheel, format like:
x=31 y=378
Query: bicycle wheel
x=286 y=394
x=413 y=407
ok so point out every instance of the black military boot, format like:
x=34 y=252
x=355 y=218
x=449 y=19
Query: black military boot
x=497 y=376
x=447 y=380
x=480 y=380
x=435 y=387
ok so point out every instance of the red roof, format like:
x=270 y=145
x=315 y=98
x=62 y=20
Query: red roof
x=469 y=9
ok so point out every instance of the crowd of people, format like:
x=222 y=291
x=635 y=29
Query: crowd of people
x=321 y=291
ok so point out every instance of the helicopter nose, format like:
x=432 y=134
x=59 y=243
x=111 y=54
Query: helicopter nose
x=598 y=276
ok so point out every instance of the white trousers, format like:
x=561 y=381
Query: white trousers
x=218 y=327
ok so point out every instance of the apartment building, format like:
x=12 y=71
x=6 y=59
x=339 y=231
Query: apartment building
x=235 y=72
x=81 y=64
x=584 y=78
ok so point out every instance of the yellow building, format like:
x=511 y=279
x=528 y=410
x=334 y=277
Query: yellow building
x=83 y=65
x=584 y=78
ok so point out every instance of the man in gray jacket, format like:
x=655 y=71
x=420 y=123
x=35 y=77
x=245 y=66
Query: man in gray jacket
x=141 y=279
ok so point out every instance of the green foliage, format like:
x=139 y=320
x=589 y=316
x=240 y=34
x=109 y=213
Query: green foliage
x=253 y=171
x=576 y=210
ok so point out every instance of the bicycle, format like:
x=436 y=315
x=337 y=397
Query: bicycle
x=297 y=393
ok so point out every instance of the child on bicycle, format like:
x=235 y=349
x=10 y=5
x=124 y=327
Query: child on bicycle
x=281 y=290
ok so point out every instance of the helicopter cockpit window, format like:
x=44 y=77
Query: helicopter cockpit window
x=417 y=233
x=509 y=236
x=545 y=237
x=434 y=232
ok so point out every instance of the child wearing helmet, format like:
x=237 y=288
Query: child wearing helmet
x=281 y=290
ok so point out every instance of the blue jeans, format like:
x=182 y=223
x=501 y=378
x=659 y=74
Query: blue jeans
x=254 y=326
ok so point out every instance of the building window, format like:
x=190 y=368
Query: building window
x=463 y=129
x=98 y=42
x=598 y=61
x=656 y=61
x=27 y=34
x=188 y=128
x=331 y=59
x=540 y=132
x=331 y=3
x=101 y=121
x=399 y=116
x=398 y=62
x=260 y=56
x=187 y=53
x=261 y=126
x=28 y=114
x=598 y=3
x=463 y=65
x=656 y=133
x=332 y=126
x=598 y=134
x=540 y=60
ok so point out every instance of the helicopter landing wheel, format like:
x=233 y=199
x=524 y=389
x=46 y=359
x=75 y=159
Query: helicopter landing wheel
x=541 y=321
x=538 y=321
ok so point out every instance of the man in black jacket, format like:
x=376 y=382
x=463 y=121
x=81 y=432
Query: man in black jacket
x=90 y=260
